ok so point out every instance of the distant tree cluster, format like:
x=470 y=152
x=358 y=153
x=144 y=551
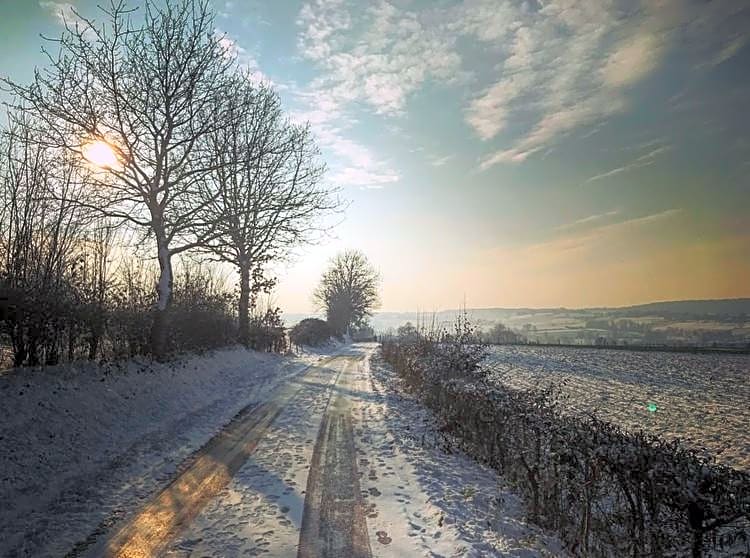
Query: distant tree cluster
x=348 y=291
x=499 y=334
x=623 y=332
x=142 y=141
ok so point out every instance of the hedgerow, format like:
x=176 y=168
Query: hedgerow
x=606 y=491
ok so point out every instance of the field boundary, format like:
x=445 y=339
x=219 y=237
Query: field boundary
x=637 y=348
x=603 y=489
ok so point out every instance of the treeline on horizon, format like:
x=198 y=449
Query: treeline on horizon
x=668 y=328
x=201 y=181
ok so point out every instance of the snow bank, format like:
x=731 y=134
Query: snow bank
x=429 y=500
x=89 y=442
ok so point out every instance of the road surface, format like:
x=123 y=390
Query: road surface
x=334 y=464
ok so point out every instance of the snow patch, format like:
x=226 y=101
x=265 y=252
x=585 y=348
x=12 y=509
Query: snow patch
x=90 y=442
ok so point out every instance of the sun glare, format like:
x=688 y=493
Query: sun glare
x=100 y=154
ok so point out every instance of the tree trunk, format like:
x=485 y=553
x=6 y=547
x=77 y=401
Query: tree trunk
x=244 y=306
x=33 y=352
x=71 y=342
x=93 y=345
x=696 y=516
x=19 y=345
x=164 y=296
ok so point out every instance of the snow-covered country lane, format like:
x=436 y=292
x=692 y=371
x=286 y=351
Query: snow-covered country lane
x=84 y=446
x=349 y=468
x=237 y=453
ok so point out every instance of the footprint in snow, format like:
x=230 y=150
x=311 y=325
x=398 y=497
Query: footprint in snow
x=383 y=537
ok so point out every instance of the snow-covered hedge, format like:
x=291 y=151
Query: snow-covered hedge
x=311 y=332
x=608 y=492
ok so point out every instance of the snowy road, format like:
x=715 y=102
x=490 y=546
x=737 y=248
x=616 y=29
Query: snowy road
x=335 y=463
x=333 y=523
x=203 y=477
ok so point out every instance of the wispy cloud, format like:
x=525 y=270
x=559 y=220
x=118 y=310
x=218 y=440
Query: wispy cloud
x=488 y=114
x=351 y=163
x=355 y=176
x=570 y=65
x=732 y=47
x=392 y=54
x=647 y=144
x=589 y=220
x=632 y=60
x=557 y=66
x=357 y=165
x=244 y=59
x=440 y=161
x=577 y=238
x=643 y=161
x=600 y=234
x=226 y=9
x=64 y=12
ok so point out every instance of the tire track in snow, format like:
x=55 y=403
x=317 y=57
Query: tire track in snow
x=210 y=469
x=260 y=511
x=334 y=523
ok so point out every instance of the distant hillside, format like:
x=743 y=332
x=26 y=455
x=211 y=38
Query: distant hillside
x=683 y=309
x=708 y=308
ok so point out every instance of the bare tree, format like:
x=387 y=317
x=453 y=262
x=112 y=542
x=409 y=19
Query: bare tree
x=152 y=93
x=268 y=196
x=348 y=291
x=93 y=281
x=41 y=224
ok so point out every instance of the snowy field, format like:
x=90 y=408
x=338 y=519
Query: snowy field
x=701 y=398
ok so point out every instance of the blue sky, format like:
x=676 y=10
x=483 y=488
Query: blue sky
x=506 y=153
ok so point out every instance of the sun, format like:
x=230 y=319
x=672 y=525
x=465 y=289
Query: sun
x=100 y=154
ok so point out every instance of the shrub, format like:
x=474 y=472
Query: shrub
x=311 y=332
x=202 y=311
x=267 y=333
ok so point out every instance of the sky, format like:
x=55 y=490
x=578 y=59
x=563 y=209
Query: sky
x=500 y=153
